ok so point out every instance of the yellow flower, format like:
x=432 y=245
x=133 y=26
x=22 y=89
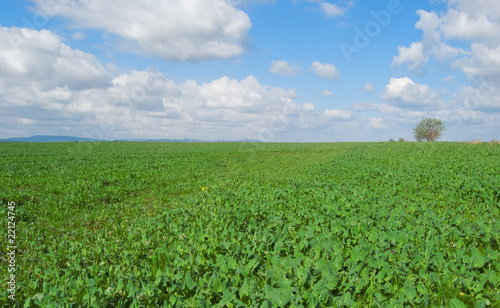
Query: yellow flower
x=389 y=149
x=203 y=188
x=461 y=293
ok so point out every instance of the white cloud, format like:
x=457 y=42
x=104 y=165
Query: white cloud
x=460 y=120
x=382 y=108
x=404 y=92
x=78 y=36
x=483 y=65
x=144 y=104
x=55 y=88
x=140 y=104
x=474 y=23
x=244 y=3
x=247 y=95
x=327 y=71
x=477 y=22
x=483 y=97
x=376 y=123
x=284 y=68
x=326 y=93
x=414 y=55
x=368 y=86
x=450 y=79
x=338 y=114
x=175 y=30
x=337 y=9
x=331 y=10
x=41 y=57
x=417 y=55
x=308 y=107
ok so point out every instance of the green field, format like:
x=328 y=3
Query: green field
x=120 y=224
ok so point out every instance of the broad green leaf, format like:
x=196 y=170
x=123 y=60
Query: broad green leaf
x=478 y=259
x=216 y=285
x=280 y=296
x=409 y=292
x=244 y=288
x=231 y=262
x=189 y=281
x=456 y=303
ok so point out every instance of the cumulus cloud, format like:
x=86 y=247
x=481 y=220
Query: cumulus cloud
x=376 y=123
x=450 y=79
x=405 y=92
x=474 y=23
x=331 y=10
x=247 y=95
x=413 y=55
x=53 y=88
x=308 y=106
x=459 y=118
x=78 y=36
x=368 y=86
x=284 y=68
x=484 y=97
x=338 y=114
x=327 y=70
x=326 y=93
x=417 y=54
x=340 y=8
x=48 y=88
x=41 y=57
x=382 y=108
x=244 y=3
x=146 y=104
x=467 y=22
x=242 y=106
x=175 y=30
x=483 y=65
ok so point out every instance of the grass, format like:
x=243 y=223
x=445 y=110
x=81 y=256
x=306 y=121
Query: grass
x=247 y=224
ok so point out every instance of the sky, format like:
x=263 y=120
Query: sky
x=277 y=71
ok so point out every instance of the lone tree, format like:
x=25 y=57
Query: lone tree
x=429 y=129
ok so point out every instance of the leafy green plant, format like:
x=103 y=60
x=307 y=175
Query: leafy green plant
x=345 y=225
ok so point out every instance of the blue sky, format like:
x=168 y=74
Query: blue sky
x=303 y=70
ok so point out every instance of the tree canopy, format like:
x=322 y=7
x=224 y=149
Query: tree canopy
x=429 y=129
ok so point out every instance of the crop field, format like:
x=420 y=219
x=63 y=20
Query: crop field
x=123 y=224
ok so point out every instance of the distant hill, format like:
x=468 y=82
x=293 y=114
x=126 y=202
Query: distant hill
x=40 y=138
